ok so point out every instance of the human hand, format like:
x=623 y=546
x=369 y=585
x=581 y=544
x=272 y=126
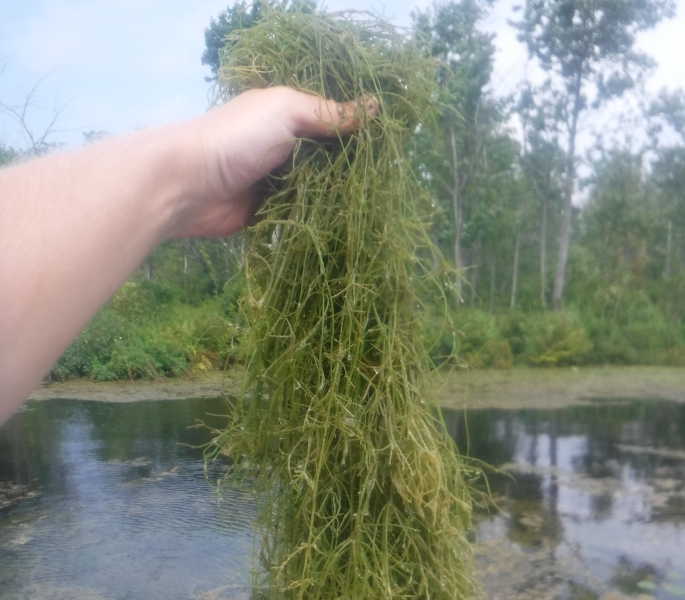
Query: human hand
x=74 y=225
x=231 y=148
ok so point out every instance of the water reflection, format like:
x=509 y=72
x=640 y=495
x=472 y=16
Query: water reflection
x=107 y=503
x=102 y=500
x=598 y=498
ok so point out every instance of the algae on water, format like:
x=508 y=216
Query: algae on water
x=361 y=492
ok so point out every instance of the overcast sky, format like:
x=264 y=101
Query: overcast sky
x=116 y=65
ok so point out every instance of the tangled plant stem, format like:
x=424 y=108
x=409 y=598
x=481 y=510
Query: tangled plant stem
x=362 y=493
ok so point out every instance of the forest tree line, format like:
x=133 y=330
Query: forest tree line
x=543 y=278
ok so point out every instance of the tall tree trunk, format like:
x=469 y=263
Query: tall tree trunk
x=543 y=253
x=493 y=264
x=456 y=208
x=667 y=268
x=553 y=506
x=514 y=279
x=475 y=263
x=565 y=234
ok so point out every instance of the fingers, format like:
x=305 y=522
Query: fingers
x=316 y=116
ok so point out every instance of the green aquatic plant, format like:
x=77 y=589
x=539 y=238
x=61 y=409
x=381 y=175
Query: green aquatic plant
x=362 y=494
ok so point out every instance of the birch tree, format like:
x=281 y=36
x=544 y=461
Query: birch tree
x=459 y=148
x=587 y=49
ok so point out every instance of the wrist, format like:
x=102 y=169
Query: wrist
x=211 y=201
x=175 y=153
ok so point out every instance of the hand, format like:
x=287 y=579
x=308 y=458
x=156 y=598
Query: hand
x=75 y=225
x=239 y=143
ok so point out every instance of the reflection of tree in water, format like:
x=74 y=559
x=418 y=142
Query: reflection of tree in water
x=30 y=445
x=33 y=442
x=486 y=434
x=601 y=505
x=555 y=529
x=627 y=576
x=533 y=449
x=648 y=425
x=532 y=500
x=604 y=431
x=601 y=446
x=673 y=509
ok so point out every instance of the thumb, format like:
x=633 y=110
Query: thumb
x=316 y=116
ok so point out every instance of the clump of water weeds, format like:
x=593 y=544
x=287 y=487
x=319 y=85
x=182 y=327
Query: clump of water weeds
x=361 y=492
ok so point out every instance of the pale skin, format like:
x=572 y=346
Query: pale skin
x=74 y=226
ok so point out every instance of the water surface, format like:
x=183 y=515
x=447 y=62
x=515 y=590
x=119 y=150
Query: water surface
x=106 y=502
x=102 y=500
x=592 y=499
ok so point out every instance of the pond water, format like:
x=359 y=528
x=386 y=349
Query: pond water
x=104 y=501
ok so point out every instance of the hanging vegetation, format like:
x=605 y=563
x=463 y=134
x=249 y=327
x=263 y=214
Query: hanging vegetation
x=361 y=493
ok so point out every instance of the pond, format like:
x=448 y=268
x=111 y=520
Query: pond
x=104 y=500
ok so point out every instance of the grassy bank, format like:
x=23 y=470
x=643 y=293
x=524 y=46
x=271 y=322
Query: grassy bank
x=147 y=331
x=151 y=329
x=641 y=335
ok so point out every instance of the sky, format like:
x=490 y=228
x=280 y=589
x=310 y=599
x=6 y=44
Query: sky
x=118 y=65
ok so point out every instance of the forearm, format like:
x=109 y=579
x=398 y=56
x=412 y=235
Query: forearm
x=72 y=228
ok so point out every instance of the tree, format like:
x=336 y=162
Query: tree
x=241 y=15
x=37 y=140
x=666 y=117
x=619 y=217
x=668 y=177
x=7 y=154
x=542 y=161
x=587 y=48
x=459 y=153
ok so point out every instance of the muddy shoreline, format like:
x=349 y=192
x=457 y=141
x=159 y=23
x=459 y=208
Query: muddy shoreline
x=202 y=385
x=517 y=388
x=556 y=388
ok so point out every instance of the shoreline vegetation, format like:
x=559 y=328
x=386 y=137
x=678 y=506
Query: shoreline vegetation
x=158 y=327
x=520 y=387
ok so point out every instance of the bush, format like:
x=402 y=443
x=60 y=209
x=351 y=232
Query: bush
x=144 y=333
x=557 y=339
x=479 y=342
x=93 y=348
x=514 y=327
x=635 y=331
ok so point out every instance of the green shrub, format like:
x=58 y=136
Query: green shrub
x=557 y=339
x=145 y=333
x=479 y=342
x=634 y=330
x=93 y=348
x=149 y=356
x=514 y=327
x=609 y=345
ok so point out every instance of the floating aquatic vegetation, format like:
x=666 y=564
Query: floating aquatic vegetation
x=361 y=492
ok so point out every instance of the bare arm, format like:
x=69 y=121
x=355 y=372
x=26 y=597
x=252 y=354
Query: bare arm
x=74 y=226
